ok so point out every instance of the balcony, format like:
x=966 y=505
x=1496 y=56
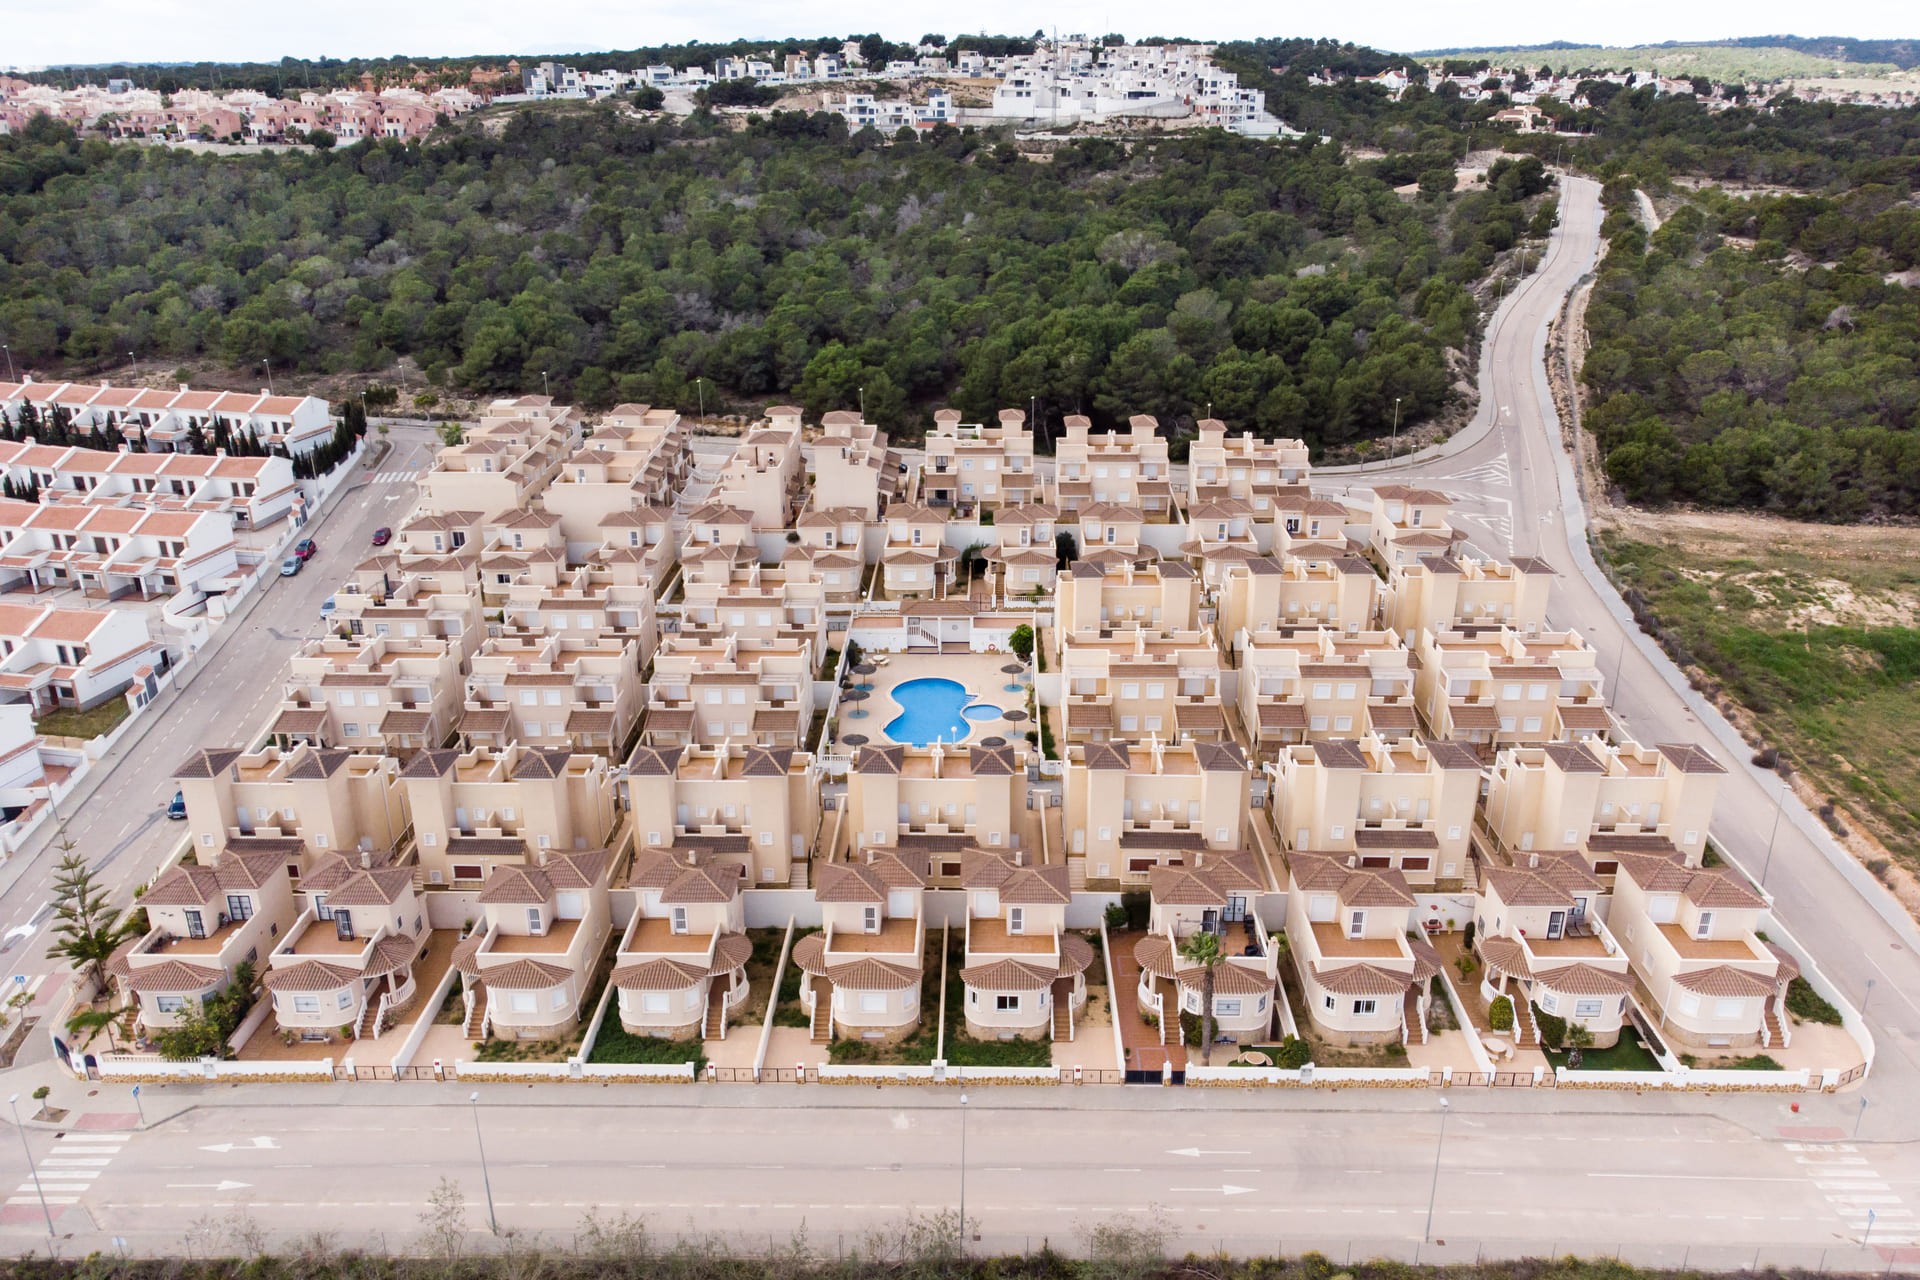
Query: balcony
x=312 y=938
x=163 y=942
x=989 y=935
x=898 y=935
x=1331 y=940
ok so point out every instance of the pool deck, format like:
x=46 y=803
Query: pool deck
x=978 y=673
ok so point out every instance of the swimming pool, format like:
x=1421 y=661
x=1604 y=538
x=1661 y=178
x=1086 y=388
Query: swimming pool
x=933 y=709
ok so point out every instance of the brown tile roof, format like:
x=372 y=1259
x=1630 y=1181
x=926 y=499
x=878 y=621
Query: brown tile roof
x=1789 y=963
x=542 y=762
x=1585 y=715
x=1363 y=980
x=302 y=721
x=849 y=882
x=767 y=762
x=1216 y=757
x=430 y=764
x=193 y=886
x=1571 y=757
x=526 y=975
x=1007 y=975
x=1339 y=753
x=395 y=952
x=1723 y=981
x=659 y=975
x=1689 y=759
x=1717 y=887
x=1022 y=885
x=1146 y=838
x=1389 y=838
x=869 y=974
x=1453 y=755
x=1283 y=715
x=1474 y=715
x=1643 y=844
x=1355 y=886
x=1584 y=980
x=1076 y=954
x=310 y=975
x=1426 y=957
x=992 y=762
x=477 y=846
x=1208 y=884
x=208 y=762
x=174 y=976
x=516 y=884
x=379 y=887
x=1505 y=955
x=1231 y=979
x=880 y=759
x=731 y=951
x=1391 y=715
x=810 y=953
x=1107 y=755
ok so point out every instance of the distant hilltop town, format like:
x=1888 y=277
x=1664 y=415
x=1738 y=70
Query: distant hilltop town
x=242 y=115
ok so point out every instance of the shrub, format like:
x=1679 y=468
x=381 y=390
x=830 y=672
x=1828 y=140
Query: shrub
x=1116 y=916
x=1758 y=1062
x=1808 y=1005
x=1138 y=905
x=1553 y=1029
x=1293 y=1054
x=1500 y=1014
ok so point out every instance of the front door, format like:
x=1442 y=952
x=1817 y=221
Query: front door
x=196 y=927
x=1210 y=920
x=1556 y=924
x=343 y=925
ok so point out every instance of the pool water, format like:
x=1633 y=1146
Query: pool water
x=935 y=710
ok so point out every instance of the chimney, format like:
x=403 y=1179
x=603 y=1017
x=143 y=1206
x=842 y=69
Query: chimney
x=1019 y=857
x=1353 y=860
x=692 y=857
x=183 y=388
x=1533 y=862
x=366 y=859
x=541 y=854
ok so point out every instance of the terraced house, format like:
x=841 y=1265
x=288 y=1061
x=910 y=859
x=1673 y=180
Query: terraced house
x=530 y=958
x=1025 y=975
x=864 y=968
x=681 y=965
x=758 y=807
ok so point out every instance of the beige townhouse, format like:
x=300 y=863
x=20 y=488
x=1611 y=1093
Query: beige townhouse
x=345 y=966
x=1129 y=810
x=530 y=956
x=1544 y=944
x=1025 y=552
x=719 y=538
x=1445 y=593
x=1409 y=524
x=1127 y=468
x=1129 y=687
x=1243 y=468
x=476 y=809
x=979 y=467
x=864 y=968
x=436 y=599
x=755 y=806
x=1025 y=975
x=766 y=475
x=1106 y=533
x=583 y=609
x=1316 y=683
x=553 y=691
x=707 y=692
x=372 y=693
x=502 y=464
x=1274 y=594
x=832 y=542
x=1701 y=970
x=1158 y=597
x=1397 y=804
x=1220 y=532
x=853 y=469
x=680 y=970
x=1365 y=978
x=1497 y=687
x=439 y=535
x=1215 y=893
x=785 y=604
x=306 y=804
x=937 y=802
x=521 y=549
x=203 y=922
x=915 y=562
x=620 y=468
x=1600 y=799
x=637 y=547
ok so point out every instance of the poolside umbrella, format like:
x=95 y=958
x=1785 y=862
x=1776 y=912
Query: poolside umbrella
x=985 y=742
x=855 y=695
x=1015 y=714
x=1015 y=668
x=864 y=668
x=853 y=740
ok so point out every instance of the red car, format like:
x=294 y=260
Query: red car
x=306 y=548
x=382 y=536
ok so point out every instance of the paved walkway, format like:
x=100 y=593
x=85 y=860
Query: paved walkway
x=1140 y=1037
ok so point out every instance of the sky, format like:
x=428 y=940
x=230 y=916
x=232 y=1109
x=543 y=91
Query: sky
x=39 y=32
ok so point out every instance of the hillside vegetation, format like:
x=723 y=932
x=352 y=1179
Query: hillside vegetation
x=626 y=259
x=1721 y=63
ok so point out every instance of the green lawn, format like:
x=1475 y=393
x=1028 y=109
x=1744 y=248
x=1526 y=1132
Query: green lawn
x=1841 y=698
x=618 y=1045
x=91 y=723
x=1628 y=1055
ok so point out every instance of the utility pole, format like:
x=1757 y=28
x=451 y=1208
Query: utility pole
x=1394 y=447
x=1779 y=806
x=268 y=366
x=473 y=1101
x=11 y=376
x=1434 y=1191
x=14 y=1102
x=963 y=1173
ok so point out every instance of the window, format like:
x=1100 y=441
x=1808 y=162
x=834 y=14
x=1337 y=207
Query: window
x=1365 y=1008
x=306 y=1004
x=654 y=1002
x=1006 y=1004
x=169 y=1004
x=345 y=1000
x=1226 y=1008
x=1726 y=1009
x=1357 y=924
x=1016 y=919
x=870 y=919
x=1690 y=1004
x=558 y=1000
x=1586 y=1008
x=679 y=920
x=239 y=907
x=523 y=1002
x=1550 y=1002
x=1329 y=1001
x=873 y=1002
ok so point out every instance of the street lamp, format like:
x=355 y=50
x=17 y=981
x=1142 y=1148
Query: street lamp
x=268 y=366
x=963 y=1173
x=1861 y=1116
x=473 y=1101
x=700 y=389
x=11 y=376
x=1394 y=447
x=1864 y=999
x=545 y=387
x=1779 y=806
x=14 y=1102
x=1434 y=1190
x=863 y=404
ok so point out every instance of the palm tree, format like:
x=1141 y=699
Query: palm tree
x=1203 y=949
x=86 y=928
x=93 y=1022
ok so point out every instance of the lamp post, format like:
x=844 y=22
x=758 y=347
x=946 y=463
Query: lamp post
x=1779 y=807
x=863 y=404
x=486 y=1181
x=268 y=366
x=700 y=389
x=1394 y=447
x=11 y=376
x=1434 y=1191
x=1865 y=999
x=546 y=388
x=963 y=1173
x=14 y=1103
x=1859 y=1117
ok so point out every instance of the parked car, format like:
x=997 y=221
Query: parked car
x=327 y=608
x=382 y=536
x=178 y=809
x=305 y=548
x=290 y=566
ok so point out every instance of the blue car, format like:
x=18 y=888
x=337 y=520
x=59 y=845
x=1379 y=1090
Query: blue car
x=178 y=809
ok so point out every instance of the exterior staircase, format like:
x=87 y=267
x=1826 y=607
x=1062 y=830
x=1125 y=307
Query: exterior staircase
x=1076 y=874
x=822 y=1029
x=1416 y=1026
x=799 y=874
x=1169 y=1011
x=1062 y=1009
x=476 y=1024
x=715 y=1027
x=1526 y=1032
x=1773 y=1034
x=367 y=1025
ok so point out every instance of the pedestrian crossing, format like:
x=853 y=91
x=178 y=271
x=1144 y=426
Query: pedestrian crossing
x=396 y=477
x=1497 y=472
x=1857 y=1193
x=68 y=1171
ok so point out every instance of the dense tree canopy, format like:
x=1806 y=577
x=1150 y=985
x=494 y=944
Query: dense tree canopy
x=1756 y=353
x=1293 y=292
